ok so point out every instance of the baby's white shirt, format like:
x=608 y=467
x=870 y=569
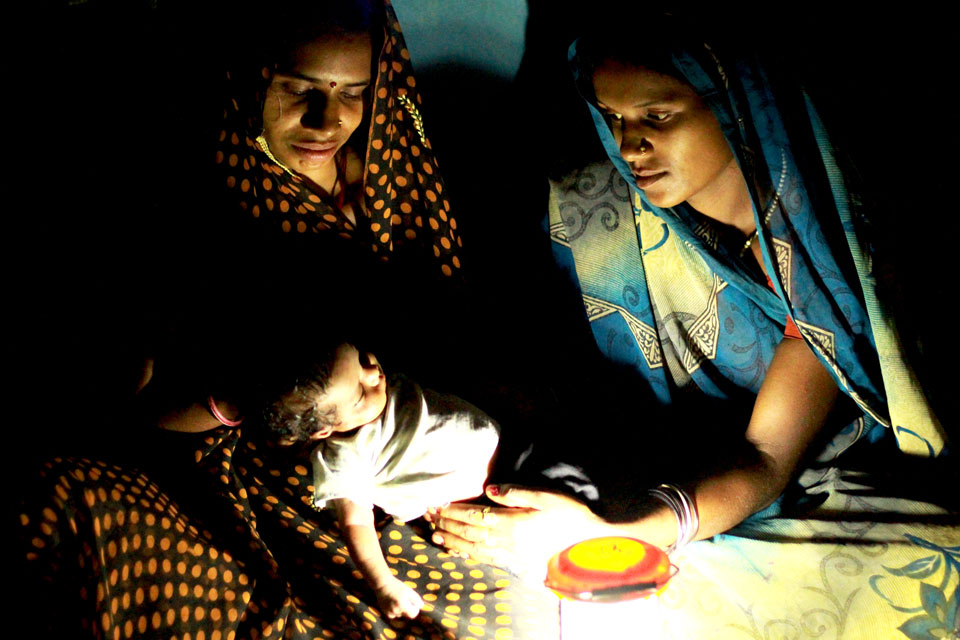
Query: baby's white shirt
x=427 y=449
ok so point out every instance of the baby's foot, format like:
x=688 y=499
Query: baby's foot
x=397 y=599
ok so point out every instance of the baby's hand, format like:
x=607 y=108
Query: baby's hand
x=397 y=599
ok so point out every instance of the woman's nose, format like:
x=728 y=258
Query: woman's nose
x=322 y=114
x=634 y=142
x=634 y=147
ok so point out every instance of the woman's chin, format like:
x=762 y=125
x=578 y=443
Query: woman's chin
x=312 y=166
x=321 y=174
x=661 y=199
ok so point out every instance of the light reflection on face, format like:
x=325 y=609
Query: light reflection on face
x=356 y=393
x=316 y=102
x=667 y=134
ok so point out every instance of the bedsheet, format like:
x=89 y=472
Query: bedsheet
x=241 y=554
x=857 y=567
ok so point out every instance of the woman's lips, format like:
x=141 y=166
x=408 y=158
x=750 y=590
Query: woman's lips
x=314 y=151
x=646 y=178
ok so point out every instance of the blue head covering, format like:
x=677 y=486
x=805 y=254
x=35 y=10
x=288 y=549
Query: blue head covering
x=807 y=220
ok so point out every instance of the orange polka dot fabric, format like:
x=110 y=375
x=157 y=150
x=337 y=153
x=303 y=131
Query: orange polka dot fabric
x=244 y=555
x=406 y=207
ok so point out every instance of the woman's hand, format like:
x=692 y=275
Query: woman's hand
x=522 y=534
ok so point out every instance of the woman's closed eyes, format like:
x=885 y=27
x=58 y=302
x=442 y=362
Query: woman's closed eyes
x=616 y=119
x=659 y=116
x=296 y=89
x=305 y=90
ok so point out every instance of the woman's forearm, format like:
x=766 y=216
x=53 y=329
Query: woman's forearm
x=792 y=406
x=166 y=408
x=192 y=418
x=722 y=501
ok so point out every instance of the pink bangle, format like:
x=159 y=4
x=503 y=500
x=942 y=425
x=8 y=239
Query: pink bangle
x=219 y=416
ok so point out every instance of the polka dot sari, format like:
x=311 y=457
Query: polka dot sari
x=406 y=210
x=240 y=553
x=220 y=541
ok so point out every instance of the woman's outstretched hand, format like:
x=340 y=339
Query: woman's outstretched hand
x=522 y=534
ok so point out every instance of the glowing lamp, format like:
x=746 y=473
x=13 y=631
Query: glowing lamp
x=604 y=586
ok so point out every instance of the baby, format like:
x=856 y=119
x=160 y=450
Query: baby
x=383 y=442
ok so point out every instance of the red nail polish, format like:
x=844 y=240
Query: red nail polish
x=493 y=490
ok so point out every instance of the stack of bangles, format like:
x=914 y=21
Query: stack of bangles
x=684 y=508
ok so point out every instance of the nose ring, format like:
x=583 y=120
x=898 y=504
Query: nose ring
x=643 y=147
x=339 y=123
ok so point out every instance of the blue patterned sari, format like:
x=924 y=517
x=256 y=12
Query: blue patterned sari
x=666 y=299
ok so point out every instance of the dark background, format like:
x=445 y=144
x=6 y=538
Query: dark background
x=113 y=109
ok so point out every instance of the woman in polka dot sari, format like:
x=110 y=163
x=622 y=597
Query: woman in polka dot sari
x=318 y=142
x=212 y=536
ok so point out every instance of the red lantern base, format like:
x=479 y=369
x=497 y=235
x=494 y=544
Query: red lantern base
x=609 y=569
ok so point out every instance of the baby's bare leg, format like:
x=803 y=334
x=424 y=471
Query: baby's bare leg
x=394 y=597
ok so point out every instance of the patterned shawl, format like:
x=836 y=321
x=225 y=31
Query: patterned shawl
x=667 y=298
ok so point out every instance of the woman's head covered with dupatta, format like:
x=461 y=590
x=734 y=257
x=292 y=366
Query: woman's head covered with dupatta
x=666 y=133
x=321 y=74
x=705 y=130
x=320 y=67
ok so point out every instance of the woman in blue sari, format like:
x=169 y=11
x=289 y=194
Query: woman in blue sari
x=718 y=250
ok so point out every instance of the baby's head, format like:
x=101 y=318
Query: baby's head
x=339 y=390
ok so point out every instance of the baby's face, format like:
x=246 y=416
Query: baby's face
x=356 y=394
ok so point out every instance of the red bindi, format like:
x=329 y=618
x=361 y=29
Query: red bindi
x=333 y=84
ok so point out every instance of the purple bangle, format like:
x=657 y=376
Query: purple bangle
x=219 y=416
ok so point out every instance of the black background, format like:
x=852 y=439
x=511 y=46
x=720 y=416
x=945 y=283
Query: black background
x=112 y=110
